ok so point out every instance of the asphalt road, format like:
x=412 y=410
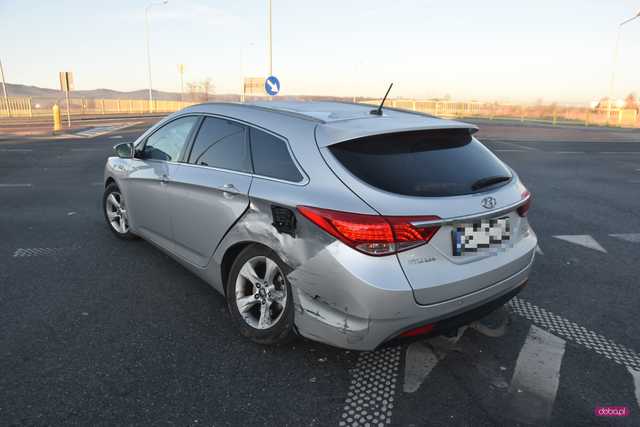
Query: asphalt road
x=94 y=330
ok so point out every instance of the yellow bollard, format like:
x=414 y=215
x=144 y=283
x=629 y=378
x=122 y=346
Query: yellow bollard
x=57 y=123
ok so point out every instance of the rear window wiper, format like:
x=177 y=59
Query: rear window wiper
x=488 y=182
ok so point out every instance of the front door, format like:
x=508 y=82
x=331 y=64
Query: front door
x=148 y=177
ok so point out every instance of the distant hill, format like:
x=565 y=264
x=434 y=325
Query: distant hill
x=46 y=97
x=42 y=93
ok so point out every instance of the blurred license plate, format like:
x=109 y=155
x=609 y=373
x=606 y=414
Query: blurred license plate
x=482 y=234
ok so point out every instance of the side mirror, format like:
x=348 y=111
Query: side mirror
x=124 y=150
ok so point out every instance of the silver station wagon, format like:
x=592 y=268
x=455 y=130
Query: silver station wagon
x=326 y=219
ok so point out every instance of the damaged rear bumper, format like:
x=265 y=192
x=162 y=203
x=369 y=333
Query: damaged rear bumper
x=383 y=314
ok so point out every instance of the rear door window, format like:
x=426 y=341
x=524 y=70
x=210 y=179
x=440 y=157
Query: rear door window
x=271 y=157
x=447 y=162
x=222 y=144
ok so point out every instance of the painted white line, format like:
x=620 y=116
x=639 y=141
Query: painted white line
x=573 y=332
x=582 y=240
x=419 y=361
x=511 y=151
x=568 y=152
x=422 y=356
x=535 y=380
x=16 y=150
x=635 y=374
x=520 y=146
x=619 y=152
x=629 y=237
x=116 y=137
x=372 y=389
x=15 y=185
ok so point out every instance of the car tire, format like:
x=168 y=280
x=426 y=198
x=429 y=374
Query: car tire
x=263 y=288
x=115 y=213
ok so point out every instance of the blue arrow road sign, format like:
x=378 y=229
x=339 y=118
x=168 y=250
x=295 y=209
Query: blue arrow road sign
x=272 y=85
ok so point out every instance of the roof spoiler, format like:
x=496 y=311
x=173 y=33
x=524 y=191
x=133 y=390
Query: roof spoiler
x=328 y=134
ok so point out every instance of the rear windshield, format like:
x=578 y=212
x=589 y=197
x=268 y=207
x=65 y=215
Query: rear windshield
x=423 y=163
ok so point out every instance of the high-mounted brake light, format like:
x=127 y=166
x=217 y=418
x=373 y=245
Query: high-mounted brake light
x=524 y=209
x=372 y=234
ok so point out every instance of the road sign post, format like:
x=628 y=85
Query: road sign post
x=66 y=85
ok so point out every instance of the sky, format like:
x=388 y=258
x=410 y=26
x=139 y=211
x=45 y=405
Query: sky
x=519 y=51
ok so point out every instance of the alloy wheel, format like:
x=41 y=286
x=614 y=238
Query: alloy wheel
x=261 y=292
x=116 y=212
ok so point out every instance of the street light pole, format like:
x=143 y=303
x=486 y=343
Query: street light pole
x=615 y=64
x=146 y=27
x=269 y=42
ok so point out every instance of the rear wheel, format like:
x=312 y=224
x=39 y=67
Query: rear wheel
x=115 y=212
x=259 y=296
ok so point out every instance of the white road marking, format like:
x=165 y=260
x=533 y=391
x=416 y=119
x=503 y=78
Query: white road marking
x=422 y=356
x=511 y=151
x=536 y=377
x=629 y=237
x=15 y=150
x=573 y=332
x=116 y=137
x=372 y=389
x=568 y=152
x=101 y=130
x=538 y=250
x=635 y=374
x=419 y=361
x=15 y=185
x=520 y=146
x=583 y=240
x=619 y=152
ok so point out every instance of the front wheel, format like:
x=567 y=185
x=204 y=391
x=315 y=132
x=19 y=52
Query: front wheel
x=115 y=212
x=259 y=296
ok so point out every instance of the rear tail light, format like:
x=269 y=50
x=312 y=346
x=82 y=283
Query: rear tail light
x=524 y=209
x=372 y=234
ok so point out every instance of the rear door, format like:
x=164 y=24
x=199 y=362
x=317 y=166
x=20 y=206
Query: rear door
x=444 y=173
x=209 y=192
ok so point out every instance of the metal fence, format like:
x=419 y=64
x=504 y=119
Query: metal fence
x=551 y=114
x=25 y=107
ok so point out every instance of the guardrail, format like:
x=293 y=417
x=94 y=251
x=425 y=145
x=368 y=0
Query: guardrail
x=25 y=107
x=550 y=114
